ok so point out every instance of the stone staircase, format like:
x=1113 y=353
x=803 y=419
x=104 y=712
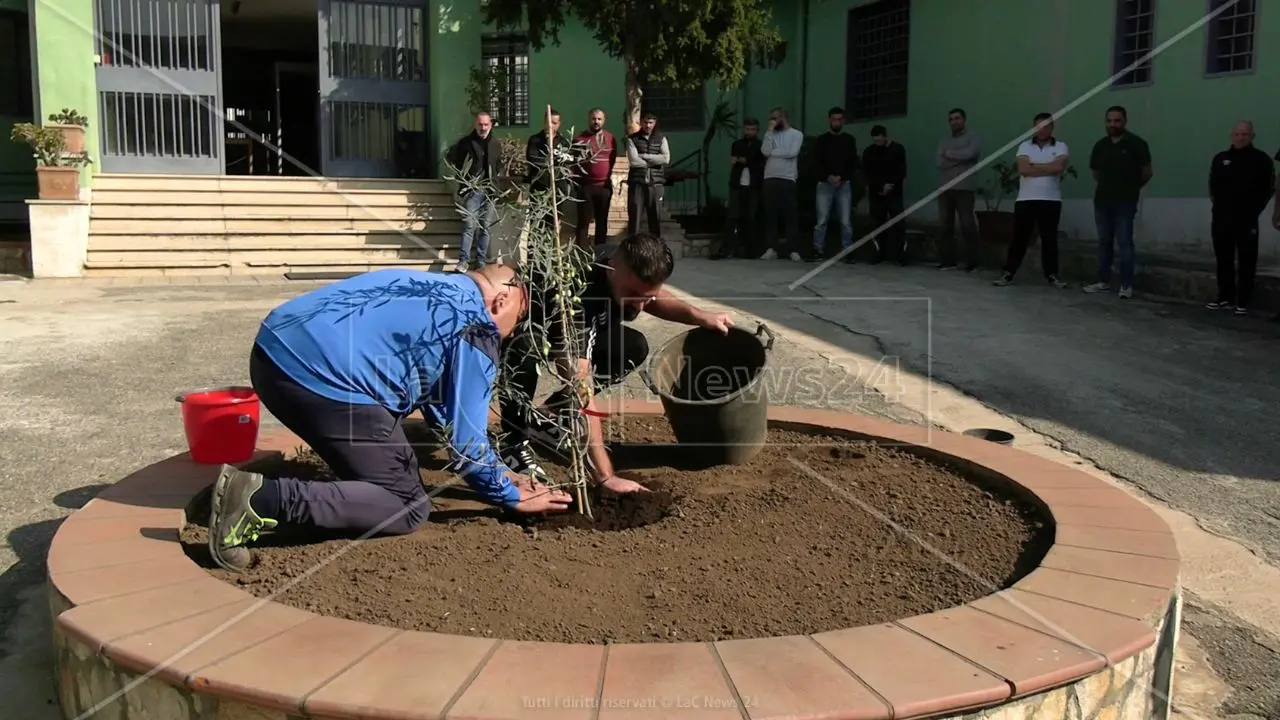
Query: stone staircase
x=144 y=225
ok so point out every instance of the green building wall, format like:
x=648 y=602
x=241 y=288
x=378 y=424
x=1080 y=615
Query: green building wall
x=65 y=67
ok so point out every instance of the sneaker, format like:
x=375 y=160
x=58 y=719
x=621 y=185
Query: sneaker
x=1219 y=305
x=522 y=460
x=1054 y=281
x=462 y=266
x=796 y=257
x=232 y=522
x=1126 y=292
x=1097 y=287
x=947 y=266
x=1005 y=280
x=1241 y=311
x=967 y=268
x=769 y=254
x=552 y=433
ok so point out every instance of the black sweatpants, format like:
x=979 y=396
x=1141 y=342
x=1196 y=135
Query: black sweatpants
x=891 y=245
x=1028 y=217
x=594 y=208
x=779 y=198
x=378 y=482
x=615 y=355
x=741 y=223
x=644 y=200
x=1235 y=244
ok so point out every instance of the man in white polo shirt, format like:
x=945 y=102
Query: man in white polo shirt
x=1042 y=160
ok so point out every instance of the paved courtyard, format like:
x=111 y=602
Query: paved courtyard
x=1176 y=404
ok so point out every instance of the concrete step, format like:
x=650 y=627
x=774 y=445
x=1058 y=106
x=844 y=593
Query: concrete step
x=255 y=258
x=221 y=267
x=265 y=226
x=263 y=183
x=356 y=240
x=354 y=209
x=305 y=198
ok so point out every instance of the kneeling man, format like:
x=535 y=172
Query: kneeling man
x=342 y=367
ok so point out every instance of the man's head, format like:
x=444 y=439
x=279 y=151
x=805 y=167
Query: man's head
x=484 y=124
x=648 y=123
x=835 y=119
x=957 y=118
x=879 y=135
x=553 y=122
x=595 y=119
x=750 y=128
x=638 y=269
x=778 y=118
x=506 y=298
x=1242 y=134
x=1117 y=119
x=1044 y=126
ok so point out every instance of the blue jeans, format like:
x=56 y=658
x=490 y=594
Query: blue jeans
x=843 y=198
x=478 y=215
x=1115 y=227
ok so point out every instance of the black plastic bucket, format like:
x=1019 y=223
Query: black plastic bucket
x=999 y=437
x=712 y=391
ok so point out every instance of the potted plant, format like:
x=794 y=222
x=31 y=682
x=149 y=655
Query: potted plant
x=994 y=225
x=57 y=171
x=72 y=125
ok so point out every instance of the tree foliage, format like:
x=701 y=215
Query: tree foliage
x=680 y=43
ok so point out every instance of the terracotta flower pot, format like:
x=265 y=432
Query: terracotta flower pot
x=58 y=183
x=73 y=136
x=995 y=227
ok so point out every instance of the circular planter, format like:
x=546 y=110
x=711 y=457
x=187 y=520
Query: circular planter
x=141 y=629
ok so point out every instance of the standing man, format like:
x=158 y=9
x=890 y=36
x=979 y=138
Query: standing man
x=958 y=153
x=342 y=367
x=837 y=163
x=649 y=155
x=746 y=175
x=476 y=160
x=1042 y=161
x=884 y=162
x=1121 y=165
x=1241 y=180
x=599 y=150
x=781 y=149
x=537 y=172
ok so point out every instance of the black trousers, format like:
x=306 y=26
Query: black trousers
x=741 y=223
x=594 y=208
x=1235 y=244
x=891 y=245
x=644 y=200
x=378 y=481
x=616 y=354
x=1030 y=216
x=779 y=198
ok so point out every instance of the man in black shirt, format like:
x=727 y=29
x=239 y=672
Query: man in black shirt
x=549 y=142
x=746 y=174
x=837 y=155
x=1241 y=180
x=598 y=351
x=884 y=163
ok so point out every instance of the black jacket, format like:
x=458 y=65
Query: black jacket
x=535 y=157
x=477 y=159
x=837 y=154
x=1241 y=180
x=748 y=148
x=883 y=164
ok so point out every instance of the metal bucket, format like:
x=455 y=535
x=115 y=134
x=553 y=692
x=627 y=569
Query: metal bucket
x=712 y=392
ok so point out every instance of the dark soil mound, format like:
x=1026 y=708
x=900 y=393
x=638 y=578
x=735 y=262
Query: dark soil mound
x=793 y=542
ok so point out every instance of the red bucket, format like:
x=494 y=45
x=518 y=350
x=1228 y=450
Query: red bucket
x=221 y=424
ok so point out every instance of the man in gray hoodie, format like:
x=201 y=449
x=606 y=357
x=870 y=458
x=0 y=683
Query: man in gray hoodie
x=957 y=154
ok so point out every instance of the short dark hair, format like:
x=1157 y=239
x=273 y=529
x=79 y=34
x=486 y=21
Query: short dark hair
x=878 y=131
x=957 y=111
x=1040 y=117
x=595 y=110
x=1118 y=109
x=649 y=116
x=837 y=110
x=648 y=257
x=554 y=112
x=751 y=122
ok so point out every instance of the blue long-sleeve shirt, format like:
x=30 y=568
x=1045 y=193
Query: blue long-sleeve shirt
x=405 y=340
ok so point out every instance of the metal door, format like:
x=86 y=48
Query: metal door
x=159 y=86
x=374 y=86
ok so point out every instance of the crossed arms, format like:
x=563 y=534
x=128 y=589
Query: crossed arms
x=648 y=159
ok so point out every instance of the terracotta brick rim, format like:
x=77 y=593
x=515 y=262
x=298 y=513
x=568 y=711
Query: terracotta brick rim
x=1097 y=599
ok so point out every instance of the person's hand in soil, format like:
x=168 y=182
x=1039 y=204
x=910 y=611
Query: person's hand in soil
x=621 y=485
x=536 y=497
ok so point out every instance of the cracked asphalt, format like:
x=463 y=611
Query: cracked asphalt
x=1176 y=402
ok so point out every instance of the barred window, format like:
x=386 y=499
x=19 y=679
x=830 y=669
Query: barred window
x=1231 y=37
x=676 y=109
x=878 y=46
x=506 y=59
x=1135 y=38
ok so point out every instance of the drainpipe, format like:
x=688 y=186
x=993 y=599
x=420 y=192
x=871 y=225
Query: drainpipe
x=804 y=61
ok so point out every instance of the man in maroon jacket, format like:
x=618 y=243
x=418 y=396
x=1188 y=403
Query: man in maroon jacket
x=595 y=178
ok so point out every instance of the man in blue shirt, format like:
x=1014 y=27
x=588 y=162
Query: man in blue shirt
x=342 y=367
